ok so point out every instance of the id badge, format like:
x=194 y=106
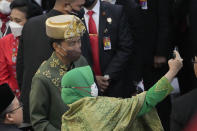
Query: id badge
x=144 y=4
x=107 y=43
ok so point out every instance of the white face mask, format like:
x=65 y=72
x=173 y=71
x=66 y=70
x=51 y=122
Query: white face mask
x=16 y=28
x=94 y=90
x=5 y=7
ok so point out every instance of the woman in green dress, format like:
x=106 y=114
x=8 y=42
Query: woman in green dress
x=90 y=112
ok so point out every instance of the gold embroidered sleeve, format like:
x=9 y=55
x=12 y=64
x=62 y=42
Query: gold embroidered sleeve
x=155 y=95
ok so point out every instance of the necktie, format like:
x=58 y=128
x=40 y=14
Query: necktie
x=94 y=43
x=4 y=19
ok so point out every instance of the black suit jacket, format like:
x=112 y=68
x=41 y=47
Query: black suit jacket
x=113 y=62
x=183 y=109
x=157 y=26
x=9 y=127
x=193 y=22
x=34 y=48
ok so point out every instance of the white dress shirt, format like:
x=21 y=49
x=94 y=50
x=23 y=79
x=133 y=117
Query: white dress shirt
x=95 y=16
x=110 y=1
x=39 y=2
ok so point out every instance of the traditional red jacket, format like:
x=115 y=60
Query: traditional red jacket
x=8 y=54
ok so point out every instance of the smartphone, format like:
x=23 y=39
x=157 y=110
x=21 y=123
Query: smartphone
x=175 y=49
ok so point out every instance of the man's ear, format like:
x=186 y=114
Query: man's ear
x=67 y=7
x=56 y=46
x=8 y=117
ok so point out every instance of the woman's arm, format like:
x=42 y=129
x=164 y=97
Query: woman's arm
x=162 y=88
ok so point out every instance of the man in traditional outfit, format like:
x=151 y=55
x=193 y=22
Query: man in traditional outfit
x=34 y=39
x=46 y=105
x=11 y=113
x=87 y=111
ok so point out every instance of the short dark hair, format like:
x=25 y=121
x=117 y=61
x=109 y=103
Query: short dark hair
x=58 y=41
x=29 y=7
x=3 y=114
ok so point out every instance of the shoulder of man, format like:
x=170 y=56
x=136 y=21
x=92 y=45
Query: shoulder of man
x=43 y=67
x=9 y=128
x=35 y=20
x=110 y=6
x=114 y=11
x=188 y=98
x=81 y=62
x=184 y=103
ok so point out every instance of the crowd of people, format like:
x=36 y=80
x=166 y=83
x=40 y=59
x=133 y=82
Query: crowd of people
x=98 y=65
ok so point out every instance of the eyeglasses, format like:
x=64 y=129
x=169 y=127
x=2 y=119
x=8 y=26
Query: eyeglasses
x=20 y=106
x=193 y=61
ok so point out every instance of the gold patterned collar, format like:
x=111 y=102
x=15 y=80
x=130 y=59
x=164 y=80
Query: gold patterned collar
x=55 y=62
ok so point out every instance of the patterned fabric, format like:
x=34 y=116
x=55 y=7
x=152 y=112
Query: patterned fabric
x=54 y=63
x=64 y=27
x=102 y=113
x=8 y=54
x=156 y=94
x=76 y=28
x=106 y=114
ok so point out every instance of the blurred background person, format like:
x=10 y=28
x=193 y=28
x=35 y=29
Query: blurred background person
x=184 y=108
x=135 y=17
x=4 y=16
x=21 y=10
x=185 y=32
x=11 y=113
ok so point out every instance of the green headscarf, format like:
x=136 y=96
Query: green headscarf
x=78 y=83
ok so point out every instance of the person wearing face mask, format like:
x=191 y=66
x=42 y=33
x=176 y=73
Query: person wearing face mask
x=34 y=39
x=4 y=16
x=90 y=112
x=20 y=12
x=46 y=105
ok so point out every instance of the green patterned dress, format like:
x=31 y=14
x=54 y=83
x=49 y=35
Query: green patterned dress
x=107 y=114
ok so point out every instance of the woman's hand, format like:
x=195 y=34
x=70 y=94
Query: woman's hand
x=174 y=66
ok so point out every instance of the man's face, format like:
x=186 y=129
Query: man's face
x=77 y=4
x=16 y=113
x=72 y=48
